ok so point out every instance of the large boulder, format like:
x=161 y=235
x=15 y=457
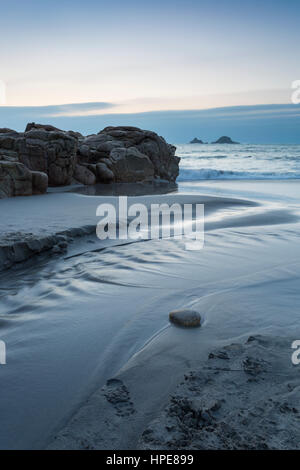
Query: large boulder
x=15 y=179
x=84 y=175
x=39 y=182
x=134 y=154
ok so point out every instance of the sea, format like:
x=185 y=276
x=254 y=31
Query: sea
x=238 y=162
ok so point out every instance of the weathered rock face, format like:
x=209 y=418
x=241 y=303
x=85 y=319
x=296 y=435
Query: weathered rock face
x=131 y=154
x=42 y=149
x=8 y=140
x=130 y=165
x=104 y=172
x=57 y=158
x=52 y=152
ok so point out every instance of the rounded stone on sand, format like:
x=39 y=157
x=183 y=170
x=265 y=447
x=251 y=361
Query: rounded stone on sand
x=187 y=318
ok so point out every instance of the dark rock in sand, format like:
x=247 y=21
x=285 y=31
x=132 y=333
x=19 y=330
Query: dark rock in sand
x=186 y=318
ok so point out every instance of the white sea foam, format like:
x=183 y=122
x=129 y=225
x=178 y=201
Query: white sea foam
x=210 y=173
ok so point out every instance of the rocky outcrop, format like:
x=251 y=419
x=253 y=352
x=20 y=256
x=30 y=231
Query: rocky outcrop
x=19 y=247
x=196 y=141
x=224 y=140
x=58 y=158
x=130 y=153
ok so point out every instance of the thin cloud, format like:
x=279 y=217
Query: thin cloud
x=80 y=109
x=257 y=124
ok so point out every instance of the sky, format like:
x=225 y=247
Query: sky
x=89 y=59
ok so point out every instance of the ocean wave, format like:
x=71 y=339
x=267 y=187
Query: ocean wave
x=199 y=157
x=291 y=158
x=212 y=174
x=217 y=157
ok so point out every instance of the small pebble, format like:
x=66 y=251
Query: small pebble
x=187 y=318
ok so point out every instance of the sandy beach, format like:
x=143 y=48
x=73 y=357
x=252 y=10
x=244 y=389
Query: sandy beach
x=87 y=327
x=149 y=229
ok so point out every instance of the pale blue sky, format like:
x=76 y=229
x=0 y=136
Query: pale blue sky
x=130 y=58
x=149 y=55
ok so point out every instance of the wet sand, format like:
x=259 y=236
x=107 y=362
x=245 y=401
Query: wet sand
x=76 y=320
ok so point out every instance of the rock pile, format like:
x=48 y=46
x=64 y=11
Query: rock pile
x=44 y=155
